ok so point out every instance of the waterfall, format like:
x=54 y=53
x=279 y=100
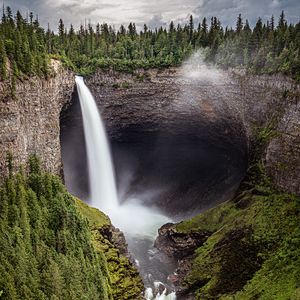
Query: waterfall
x=132 y=217
x=102 y=179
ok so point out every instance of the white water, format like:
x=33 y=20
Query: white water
x=100 y=165
x=135 y=220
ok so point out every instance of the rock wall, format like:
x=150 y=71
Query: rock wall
x=283 y=153
x=29 y=122
x=233 y=103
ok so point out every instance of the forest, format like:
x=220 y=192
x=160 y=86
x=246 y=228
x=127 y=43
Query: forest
x=26 y=48
x=45 y=244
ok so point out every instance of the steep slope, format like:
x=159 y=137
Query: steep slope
x=47 y=250
x=29 y=119
x=245 y=248
x=110 y=242
x=252 y=251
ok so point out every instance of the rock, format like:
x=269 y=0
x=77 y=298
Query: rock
x=29 y=124
x=283 y=153
x=177 y=244
x=116 y=237
x=235 y=105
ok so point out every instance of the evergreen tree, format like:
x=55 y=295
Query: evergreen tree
x=28 y=45
x=239 y=24
x=191 y=29
x=3 y=61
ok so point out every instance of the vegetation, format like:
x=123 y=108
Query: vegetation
x=47 y=250
x=254 y=249
x=25 y=47
x=253 y=254
x=125 y=281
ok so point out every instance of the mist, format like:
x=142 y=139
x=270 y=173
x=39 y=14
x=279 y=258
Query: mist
x=195 y=69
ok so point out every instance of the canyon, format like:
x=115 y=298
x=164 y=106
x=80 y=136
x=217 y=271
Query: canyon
x=220 y=112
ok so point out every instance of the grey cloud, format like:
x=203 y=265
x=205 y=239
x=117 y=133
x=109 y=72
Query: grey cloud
x=155 y=12
x=228 y=10
x=156 y=21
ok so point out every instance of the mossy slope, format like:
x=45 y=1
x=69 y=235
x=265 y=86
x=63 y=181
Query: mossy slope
x=53 y=246
x=254 y=252
x=124 y=278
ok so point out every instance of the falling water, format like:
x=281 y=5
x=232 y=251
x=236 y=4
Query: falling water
x=133 y=218
x=102 y=182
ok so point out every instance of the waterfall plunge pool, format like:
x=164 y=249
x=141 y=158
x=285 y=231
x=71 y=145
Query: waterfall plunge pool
x=161 y=176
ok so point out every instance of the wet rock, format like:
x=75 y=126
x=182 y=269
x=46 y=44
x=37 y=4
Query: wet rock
x=235 y=105
x=116 y=237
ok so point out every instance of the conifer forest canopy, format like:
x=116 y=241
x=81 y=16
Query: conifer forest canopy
x=269 y=47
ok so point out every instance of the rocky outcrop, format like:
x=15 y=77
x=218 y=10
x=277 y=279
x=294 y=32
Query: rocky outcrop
x=180 y=247
x=283 y=152
x=116 y=237
x=249 y=248
x=123 y=277
x=29 y=121
x=177 y=244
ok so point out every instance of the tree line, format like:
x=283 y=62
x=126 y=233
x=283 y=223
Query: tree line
x=26 y=47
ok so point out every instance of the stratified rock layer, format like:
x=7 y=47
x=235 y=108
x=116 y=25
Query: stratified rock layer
x=283 y=153
x=29 y=122
x=177 y=244
x=229 y=105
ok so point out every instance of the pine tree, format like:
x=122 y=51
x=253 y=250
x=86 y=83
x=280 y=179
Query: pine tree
x=191 y=29
x=3 y=61
x=61 y=31
x=282 y=21
x=239 y=24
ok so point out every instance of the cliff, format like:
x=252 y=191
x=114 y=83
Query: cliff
x=257 y=116
x=248 y=247
x=29 y=121
x=30 y=124
x=225 y=106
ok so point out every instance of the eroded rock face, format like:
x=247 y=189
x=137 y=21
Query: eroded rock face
x=180 y=247
x=117 y=238
x=283 y=153
x=29 y=124
x=177 y=244
x=169 y=137
x=230 y=106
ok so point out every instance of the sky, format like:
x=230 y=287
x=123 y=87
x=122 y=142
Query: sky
x=153 y=12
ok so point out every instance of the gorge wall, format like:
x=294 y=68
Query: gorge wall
x=229 y=106
x=234 y=103
x=29 y=122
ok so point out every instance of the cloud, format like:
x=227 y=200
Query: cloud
x=154 y=12
x=156 y=21
x=228 y=10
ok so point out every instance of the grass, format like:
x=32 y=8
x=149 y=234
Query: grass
x=95 y=217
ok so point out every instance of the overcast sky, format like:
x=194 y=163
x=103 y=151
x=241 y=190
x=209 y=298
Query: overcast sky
x=153 y=12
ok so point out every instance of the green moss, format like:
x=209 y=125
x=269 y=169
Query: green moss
x=124 y=279
x=211 y=220
x=254 y=251
x=279 y=277
x=96 y=218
